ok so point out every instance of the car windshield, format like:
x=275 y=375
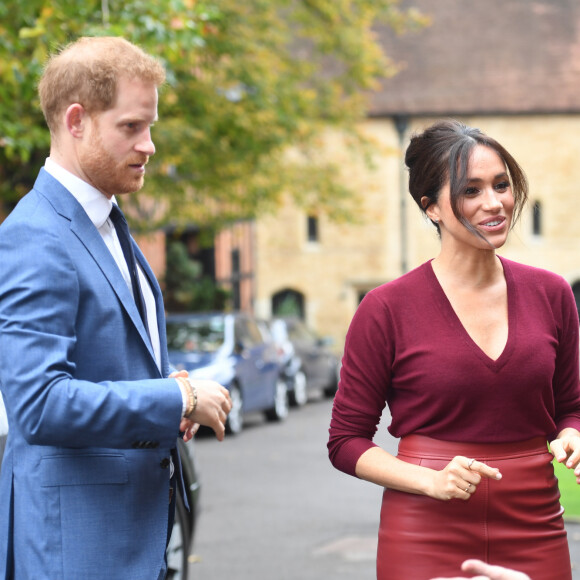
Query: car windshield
x=297 y=331
x=278 y=330
x=203 y=335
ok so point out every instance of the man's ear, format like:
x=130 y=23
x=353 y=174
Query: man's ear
x=75 y=119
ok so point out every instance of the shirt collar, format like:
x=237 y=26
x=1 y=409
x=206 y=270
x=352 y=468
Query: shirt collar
x=96 y=205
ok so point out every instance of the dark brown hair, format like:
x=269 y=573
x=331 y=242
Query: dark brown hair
x=441 y=153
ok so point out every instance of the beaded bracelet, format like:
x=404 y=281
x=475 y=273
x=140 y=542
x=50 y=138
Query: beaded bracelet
x=191 y=391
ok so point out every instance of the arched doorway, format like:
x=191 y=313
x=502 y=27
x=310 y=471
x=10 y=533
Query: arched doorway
x=288 y=302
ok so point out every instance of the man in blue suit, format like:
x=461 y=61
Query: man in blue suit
x=86 y=488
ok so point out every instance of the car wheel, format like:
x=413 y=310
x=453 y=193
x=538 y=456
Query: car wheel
x=299 y=394
x=178 y=548
x=279 y=411
x=332 y=387
x=235 y=421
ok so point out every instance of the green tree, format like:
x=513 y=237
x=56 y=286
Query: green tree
x=248 y=82
x=187 y=289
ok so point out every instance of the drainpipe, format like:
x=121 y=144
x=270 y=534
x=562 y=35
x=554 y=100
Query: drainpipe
x=105 y=12
x=401 y=124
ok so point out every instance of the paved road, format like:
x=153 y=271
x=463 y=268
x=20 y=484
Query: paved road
x=273 y=508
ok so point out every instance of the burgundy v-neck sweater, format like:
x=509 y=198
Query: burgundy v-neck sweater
x=407 y=348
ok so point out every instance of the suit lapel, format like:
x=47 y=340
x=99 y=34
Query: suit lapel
x=82 y=227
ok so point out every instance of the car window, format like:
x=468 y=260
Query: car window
x=298 y=331
x=265 y=331
x=278 y=329
x=241 y=333
x=247 y=333
x=254 y=333
x=196 y=335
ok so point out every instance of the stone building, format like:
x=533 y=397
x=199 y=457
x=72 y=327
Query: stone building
x=509 y=67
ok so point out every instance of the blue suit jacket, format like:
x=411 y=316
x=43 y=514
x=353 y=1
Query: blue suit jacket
x=84 y=486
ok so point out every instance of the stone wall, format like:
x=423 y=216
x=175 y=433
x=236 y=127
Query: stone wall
x=349 y=259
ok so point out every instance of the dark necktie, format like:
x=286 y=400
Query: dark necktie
x=122 y=230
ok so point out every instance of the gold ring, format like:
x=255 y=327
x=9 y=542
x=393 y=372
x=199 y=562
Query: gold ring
x=470 y=463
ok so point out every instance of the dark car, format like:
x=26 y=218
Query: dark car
x=181 y=541
x=229 y=349
x=318 y=366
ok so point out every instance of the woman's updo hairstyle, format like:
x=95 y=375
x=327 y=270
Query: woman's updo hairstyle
x=442 y=153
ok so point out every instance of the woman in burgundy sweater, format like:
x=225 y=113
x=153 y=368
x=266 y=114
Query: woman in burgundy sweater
x=477 y=358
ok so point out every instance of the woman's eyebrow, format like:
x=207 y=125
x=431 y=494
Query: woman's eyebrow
x=479 y=179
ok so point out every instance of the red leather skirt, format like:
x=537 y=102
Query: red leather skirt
x=514 y=522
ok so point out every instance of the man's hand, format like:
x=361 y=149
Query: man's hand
x=213 y=406
x=487 y=572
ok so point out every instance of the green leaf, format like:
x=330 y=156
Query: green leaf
x=252 y=89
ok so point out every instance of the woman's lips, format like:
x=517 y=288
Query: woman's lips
x=493 y=224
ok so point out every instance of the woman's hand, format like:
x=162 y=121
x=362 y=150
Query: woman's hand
x=460 y=478
x=566 y=448
x=457 y=480
x=487 y=572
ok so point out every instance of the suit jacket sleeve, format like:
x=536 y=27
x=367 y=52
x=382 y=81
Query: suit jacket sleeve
x=74 y=368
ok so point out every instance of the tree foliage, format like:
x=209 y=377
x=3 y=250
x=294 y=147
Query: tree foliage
x=252 y=86
x=187 y=289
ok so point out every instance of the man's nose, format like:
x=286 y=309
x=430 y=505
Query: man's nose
x=146 y=144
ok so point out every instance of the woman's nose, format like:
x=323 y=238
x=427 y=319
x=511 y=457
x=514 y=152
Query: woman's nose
x=492 y=201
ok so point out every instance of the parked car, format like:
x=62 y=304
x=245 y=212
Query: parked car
x=181 y=542
x=229 y=348
x=291 y=370
x=318 y=366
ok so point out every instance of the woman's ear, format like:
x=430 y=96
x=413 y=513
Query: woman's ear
x=75 y=119
x=431 y=211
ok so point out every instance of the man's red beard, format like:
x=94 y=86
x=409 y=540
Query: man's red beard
x=109 y=176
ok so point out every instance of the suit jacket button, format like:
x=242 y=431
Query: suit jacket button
x=165 y=462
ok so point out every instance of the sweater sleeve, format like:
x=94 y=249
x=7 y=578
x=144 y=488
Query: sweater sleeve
x=566 y=381
x=364 y=379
